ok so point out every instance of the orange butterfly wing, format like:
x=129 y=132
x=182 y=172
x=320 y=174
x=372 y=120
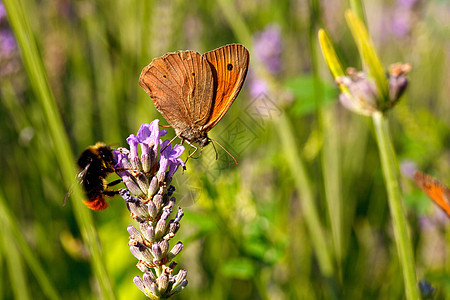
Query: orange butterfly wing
x=438 y=192
x=229 y=67
x=181 y=86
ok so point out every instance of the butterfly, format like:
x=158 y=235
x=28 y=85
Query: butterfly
x=193 y=91
x=438 y=192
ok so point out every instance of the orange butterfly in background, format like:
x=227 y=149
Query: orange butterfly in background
x=193 y=91
x=438 y=192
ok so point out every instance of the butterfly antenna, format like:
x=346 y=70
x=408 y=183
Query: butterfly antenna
x=224 y=150
x=215 y=150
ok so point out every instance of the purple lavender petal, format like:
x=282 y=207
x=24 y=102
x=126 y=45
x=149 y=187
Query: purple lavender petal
x=133 y=142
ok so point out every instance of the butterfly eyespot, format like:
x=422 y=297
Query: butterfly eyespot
x=164 y=76
x=229 y=67
x=193 y=73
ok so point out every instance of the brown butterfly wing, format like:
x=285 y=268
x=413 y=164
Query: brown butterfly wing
x=229 y=68
x=438 y=192
x=181 y=86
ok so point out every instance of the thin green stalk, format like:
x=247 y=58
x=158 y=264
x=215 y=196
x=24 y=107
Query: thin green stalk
x=14 y=263
x=38 y=79
x=358 y=7
x=390 y=172
x=303 y=185
x=10 y=227
x=330 y=150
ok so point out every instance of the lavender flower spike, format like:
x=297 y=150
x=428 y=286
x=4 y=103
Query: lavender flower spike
x=150 y=200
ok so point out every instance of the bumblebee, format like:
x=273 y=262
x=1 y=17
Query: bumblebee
x=96 y=163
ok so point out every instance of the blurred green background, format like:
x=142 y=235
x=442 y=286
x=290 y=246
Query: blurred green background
x=245 y=231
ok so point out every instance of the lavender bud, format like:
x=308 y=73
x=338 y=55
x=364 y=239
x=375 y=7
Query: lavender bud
x=134 y=233
x=173 y=228
x=163 y=282
x=136 y=163
x=151 y=234
x=152 y=210
x=132 y=186
x=170 y=190
x=142 y=181
x=172 y=202
x=145 y=162
x=157 y=253
x=172 y=265
x=179 y=215
x=125 y=194
x=158 y=201
x=397 y=81
x=139 y=209
x=142 y=266
x=161 y=176
x=143 y=226
x=140 y=284
x=362 y=96
x=154 y=186
x=148 y=278
x=179 y=278
x=154 y=289
x=146 y=254
x=164 y=245
x=160 y=229
x=135 y=251
x=175 y=250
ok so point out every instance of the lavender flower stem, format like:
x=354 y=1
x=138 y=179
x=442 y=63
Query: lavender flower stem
x=390 y=172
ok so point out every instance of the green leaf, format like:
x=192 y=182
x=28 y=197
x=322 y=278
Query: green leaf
x=330 y=55
x=302 y=87
x=368 y=54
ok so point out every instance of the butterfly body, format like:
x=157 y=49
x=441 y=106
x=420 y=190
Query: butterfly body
x=194 y=91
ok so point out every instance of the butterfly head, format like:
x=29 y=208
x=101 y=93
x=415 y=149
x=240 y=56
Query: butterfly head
x=195 y=135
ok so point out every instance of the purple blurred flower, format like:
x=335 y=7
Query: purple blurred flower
x=2 y=11
x=403 y=17
x=267 y=46
x=408 y=168
x=8 y=43
x=362 y=96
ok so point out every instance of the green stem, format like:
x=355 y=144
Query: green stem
x=34 y=66
x=390 y=172
x=303 y=185
x=11 y=228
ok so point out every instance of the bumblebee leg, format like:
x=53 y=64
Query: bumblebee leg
x=115 y=182
x=110 y=193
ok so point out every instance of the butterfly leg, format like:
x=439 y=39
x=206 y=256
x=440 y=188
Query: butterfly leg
x=191 y=154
